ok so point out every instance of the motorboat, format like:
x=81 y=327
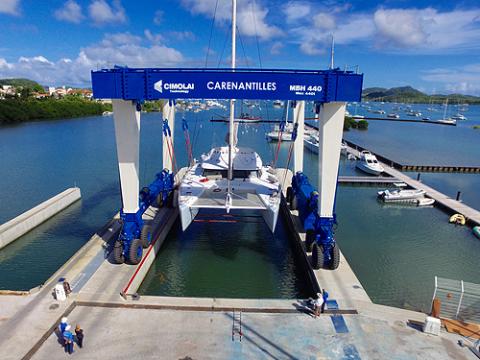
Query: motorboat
x=278 y=103
x=459 y=116
x=447 y=121
x=393 y=116
x=205 y=186
x=400 y=194
x=311 y=143
x=285 y=134
x=369 y=163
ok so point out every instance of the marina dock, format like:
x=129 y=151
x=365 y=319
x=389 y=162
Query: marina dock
x=450 y=205
x=419 y=168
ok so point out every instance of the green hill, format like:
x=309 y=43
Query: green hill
x=409 y=94
x=22 y=83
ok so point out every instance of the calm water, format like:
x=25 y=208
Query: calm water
x=41 y=159
x=236 y=260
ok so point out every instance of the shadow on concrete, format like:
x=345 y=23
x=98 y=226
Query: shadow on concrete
x=284 y=354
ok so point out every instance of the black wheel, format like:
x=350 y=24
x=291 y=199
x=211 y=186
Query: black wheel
x=159 y=200
x=289 y=194
x=118 y=257
x=136 y=252
x=317 y=256
x=309 y=239
x=175 y=198
x=335 y=258
x=170 y=199
x=146 y=236
x=294 y=202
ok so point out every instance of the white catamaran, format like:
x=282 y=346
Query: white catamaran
x=230 y=177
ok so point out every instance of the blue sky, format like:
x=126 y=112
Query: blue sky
x=431 y=45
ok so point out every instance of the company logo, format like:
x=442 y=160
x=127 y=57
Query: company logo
x=158 y=86
x=172 y=87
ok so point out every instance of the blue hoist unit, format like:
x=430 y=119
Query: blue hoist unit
x=320 y=234
x=135 y=235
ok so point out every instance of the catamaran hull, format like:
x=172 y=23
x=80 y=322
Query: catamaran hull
x=187 y=215
x=270 y=217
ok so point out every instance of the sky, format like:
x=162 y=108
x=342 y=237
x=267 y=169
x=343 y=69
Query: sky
x=433 y=46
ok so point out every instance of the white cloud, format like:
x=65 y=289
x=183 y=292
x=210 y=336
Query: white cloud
x=412 y=31
x=276 y=48
x=324 y=21
x=103 y=13
x=251 y=16
x=122 y=49
x=182 y=35
x=70 y=12
x=296 y=11
x=154 y=38
x=428 y=30
x=253 y=22
x=10 y=7
x=464 y=79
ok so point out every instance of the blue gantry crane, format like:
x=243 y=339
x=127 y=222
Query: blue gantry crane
x=130 y=87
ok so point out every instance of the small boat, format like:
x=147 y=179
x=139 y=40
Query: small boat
x=447 y=121
x=369 y=163
x=426 y=118
x=396 y=195
x=311 y=143
x=344 y=148
x=458 y=116
x=278 y=103
x=245 y=117
x=286 y=134
x=393 y=116
x=107 y=113
x=425 y=202
x=476 y=231
x=457 y=219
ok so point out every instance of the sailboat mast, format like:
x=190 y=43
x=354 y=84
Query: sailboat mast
x=332 y=52
x=232 y=101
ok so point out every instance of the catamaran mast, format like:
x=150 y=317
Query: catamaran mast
x=232 y=101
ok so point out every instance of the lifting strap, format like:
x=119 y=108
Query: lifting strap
x=188 y=144
x=168 y=138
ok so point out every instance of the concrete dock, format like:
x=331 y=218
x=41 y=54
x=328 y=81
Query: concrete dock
x=13 y=229
x=120 y=324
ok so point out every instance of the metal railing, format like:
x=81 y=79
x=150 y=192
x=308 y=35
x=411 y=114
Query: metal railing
x=458 y=299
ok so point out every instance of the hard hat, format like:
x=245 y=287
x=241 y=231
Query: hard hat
x=64 y=320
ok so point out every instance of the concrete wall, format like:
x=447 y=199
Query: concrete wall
x=13 y=229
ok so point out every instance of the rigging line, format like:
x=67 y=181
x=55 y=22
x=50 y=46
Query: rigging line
x=223 y=50
x=211 y=33
x=256 y=33
x=243 y=49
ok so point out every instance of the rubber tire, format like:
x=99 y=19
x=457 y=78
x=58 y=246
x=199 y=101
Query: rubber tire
x=335 y=258
x=309 y=240
x=170 y=199
x=294 y=202
x=159 y=200
x=133 y=257
x=146 y=236
x=317 y=256
x=175 y=198
x=289 y=194
x=118 y=257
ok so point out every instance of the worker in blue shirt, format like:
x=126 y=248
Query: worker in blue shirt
x=68 y=339
x=325 y=298
x=63 y=325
